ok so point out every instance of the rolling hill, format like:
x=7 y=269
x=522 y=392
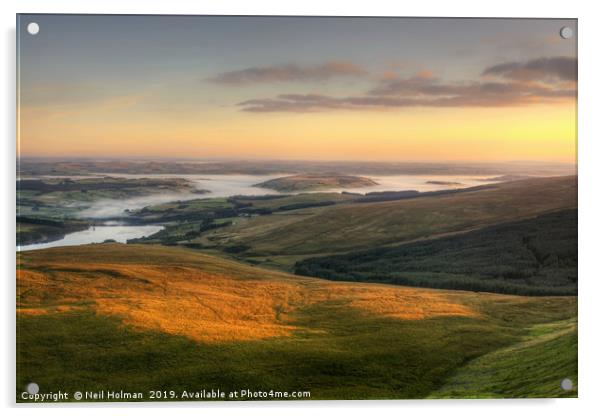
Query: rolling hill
x=141 y=317
x=356 y=226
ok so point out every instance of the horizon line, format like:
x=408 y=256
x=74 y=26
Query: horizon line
x=256 y=159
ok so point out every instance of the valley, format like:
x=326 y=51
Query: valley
x=278 y=231
x=386 y=293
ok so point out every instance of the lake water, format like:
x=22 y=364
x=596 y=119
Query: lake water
x=421 y=183
x=98 y=234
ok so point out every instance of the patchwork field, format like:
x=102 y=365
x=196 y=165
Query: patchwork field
x=111 y=316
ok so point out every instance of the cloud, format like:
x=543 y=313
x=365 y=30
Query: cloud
x=290 y=73
x=485 y=95
x=425 y=90
x=559 y=67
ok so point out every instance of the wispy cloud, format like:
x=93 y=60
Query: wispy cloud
x=559 y=67
x=541 y=80
x=289 y=73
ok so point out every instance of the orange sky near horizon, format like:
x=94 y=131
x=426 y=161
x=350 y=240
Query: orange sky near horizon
x=546 y=132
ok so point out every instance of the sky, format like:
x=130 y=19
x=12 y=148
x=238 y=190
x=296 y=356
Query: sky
x=391 y=89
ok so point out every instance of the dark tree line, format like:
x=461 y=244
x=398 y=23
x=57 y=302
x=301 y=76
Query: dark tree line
x=537 y=256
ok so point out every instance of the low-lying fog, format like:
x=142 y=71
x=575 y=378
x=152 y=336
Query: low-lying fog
x=218 y=185
x=230 y=185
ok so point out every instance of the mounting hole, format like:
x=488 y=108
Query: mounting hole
x=32 y=388
x=566 y=32
x=566 y=384
x=33 y=28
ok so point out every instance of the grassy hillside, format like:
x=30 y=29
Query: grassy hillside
x=546 y=350
x=193 y=222
x=140 y=317
x=355 y=226
x=537 y=256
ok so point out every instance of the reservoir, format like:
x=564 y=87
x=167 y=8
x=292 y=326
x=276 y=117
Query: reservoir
x=98 y=234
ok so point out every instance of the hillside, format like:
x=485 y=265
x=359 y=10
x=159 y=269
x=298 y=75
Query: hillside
x=315 y=182
x=492 y=375
x=537 y=256
x=115 y=316
x=356 y=226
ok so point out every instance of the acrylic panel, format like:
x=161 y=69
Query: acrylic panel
x=295 y=208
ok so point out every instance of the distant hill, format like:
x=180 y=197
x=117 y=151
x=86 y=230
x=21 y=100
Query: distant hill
x=41 y=166
x=315 y=181
x=342 y=228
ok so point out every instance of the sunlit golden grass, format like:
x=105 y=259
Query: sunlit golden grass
x=406 y=303
x=113 y=316
x=205 y=298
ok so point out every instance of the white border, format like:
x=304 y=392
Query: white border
x=590 y=182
